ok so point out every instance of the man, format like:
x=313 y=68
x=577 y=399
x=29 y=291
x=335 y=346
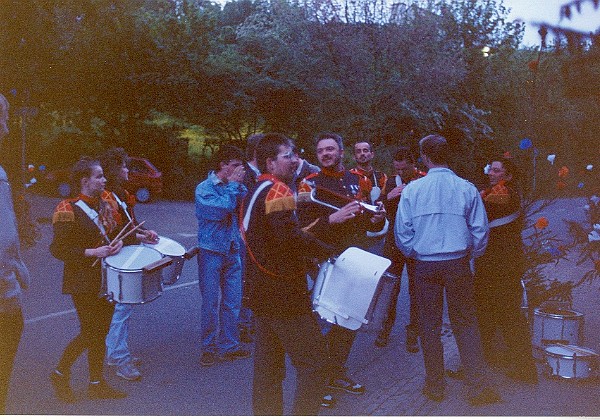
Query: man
x=305 y=168
x=342 y=189
x=14 y=276
x=219 y=265
x=442 y=224
x=405 y=172
x=363 y=155
x=279 y=297
x=246 y=319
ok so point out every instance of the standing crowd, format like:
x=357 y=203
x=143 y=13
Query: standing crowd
x=266 y=219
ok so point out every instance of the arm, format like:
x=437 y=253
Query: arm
x=213 y=206
x=403 y=229
x=478 y=225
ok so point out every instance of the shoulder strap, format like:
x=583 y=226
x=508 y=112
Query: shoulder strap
x=92 y=214
x=122 y=204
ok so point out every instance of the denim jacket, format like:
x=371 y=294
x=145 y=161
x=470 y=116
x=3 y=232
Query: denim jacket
x=216 y=210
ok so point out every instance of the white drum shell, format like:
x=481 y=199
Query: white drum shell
x=345 y=290
x=574 y=363
x=170 y=248
x=124 y=278
x=549 y=328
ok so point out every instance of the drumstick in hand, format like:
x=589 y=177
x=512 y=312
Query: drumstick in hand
x=119 y=237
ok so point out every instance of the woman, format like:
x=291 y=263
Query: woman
x=114 y=162
x=83 y=228
x=498 y=273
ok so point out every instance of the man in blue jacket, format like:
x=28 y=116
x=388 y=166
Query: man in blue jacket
x=219 y=265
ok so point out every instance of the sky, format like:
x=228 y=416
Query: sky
x=548 y=11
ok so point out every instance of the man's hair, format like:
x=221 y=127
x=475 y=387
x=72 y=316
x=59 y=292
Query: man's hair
x=268 y=148
x=403 y=153
x=251 y=143
x=112 y=161
x=326 y=135
x=81 y=169
x=435 y=147
x=364 y=141
x=225 y=154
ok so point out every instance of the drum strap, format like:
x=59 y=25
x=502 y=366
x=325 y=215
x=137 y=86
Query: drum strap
x=92 y=214
x=245 y=222
x=504 y=220
x=122 y=204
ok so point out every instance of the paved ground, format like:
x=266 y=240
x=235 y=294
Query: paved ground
x=165 y=334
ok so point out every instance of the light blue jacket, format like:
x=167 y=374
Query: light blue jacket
x=441 y=217
x=14 y=276
x=216 y=205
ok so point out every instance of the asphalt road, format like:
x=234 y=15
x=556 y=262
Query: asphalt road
x=165 y=334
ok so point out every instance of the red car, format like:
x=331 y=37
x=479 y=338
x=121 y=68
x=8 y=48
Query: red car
x=144 y=180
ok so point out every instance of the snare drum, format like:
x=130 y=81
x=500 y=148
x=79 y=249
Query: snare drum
x=349 y=290
x=550 y=326
x=570 y=362
x=124 y=277
x=170 y=248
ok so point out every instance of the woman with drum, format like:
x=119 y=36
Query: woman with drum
x=498 y=273
x=83 y=228
x=114 y=163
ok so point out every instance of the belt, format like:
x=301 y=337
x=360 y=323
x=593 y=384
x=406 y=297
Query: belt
x=504 y=220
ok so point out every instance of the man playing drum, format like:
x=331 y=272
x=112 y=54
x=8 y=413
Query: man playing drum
x=342 y=228
x=277 y=251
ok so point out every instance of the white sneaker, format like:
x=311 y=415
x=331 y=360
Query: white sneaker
x=129 y=372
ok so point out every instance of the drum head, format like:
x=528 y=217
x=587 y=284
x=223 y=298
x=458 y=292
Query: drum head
x=133 y=257
x=569 y=351
x=168 y=247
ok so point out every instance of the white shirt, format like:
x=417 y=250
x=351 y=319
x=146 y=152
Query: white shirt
x=441 y=217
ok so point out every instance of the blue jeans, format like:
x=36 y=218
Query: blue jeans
x=117 y=350
x=220 y=275
x=431 y=278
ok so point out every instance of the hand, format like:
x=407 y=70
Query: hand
x=237 y=175
x=349 y=211
x=149 y=237
x=380 y=214
x=395 y=192
x=106 y=250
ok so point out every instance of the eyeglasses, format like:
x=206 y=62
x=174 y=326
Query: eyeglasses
x=288 y=155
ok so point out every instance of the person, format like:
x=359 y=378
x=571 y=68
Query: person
x=277 y=251
x=363 y=156
x=83 y=228
x=498 y=272
x=114 y=163
x=405 y=172
x=246 y=319
x=14 y=275
x=305 y=168
x=219 y=265
x=442 y=224
x=347 y=226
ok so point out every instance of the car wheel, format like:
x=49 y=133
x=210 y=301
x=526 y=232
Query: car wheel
x=142 y=195
x=64 y=190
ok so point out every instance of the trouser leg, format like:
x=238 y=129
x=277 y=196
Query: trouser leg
x=11 y=327
x=269 y=371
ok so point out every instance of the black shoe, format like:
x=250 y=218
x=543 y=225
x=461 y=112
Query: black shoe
x=102 y=391
x=62 y=388
x=246 y=336
x=328 y=401
x=412 y=340
x=433 y=394
x=346 y=384
x=456 y=373
x=487 y=396
x=381 y=341
x=207 y=359
x=235 y=355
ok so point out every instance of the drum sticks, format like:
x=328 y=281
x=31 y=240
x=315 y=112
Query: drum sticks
x=121 y=236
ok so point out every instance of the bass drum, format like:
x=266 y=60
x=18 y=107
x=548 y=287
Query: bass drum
x=354 y=291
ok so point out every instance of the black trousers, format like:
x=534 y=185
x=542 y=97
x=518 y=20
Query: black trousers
x=11 y=329
x=95 y=314
x=301 y=338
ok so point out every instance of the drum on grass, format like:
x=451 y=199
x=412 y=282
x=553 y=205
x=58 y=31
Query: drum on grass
x=354 y=291
x=133 y=275
x=170 y=248
x=570 y=362
x=556 y=326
